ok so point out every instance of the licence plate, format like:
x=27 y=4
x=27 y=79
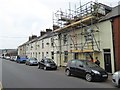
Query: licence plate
x=104 y=75
x=53 y=66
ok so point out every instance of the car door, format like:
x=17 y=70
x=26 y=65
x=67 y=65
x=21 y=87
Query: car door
x=72 y=66
x=80 y=68
x=29 y=61
x=42 y=63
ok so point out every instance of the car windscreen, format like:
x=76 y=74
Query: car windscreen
x=91 y=64
x=22 y=58
x=33 y=59
x=49 y=61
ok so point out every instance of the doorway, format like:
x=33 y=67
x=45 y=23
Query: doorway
x=76 y=55
x=107 y=60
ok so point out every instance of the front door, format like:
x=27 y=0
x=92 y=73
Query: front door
x=75 y=55
x=107 y=60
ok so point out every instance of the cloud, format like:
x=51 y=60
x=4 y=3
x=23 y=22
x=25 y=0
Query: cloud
x=15 y=12
x=21 y=18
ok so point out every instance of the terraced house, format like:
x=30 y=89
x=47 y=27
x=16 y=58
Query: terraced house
x=41 y=46
x=91 y=30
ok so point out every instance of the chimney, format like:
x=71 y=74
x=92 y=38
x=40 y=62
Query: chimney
x=32 y=37
x=42 y=33
x=48 y=30
x=55 y=27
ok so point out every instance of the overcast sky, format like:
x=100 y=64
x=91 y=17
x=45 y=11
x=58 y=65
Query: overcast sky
x=21 y=18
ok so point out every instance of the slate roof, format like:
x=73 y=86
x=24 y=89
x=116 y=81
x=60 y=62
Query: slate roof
x=114 y=13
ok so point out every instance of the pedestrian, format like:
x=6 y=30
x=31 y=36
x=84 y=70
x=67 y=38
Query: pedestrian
x=97 y=61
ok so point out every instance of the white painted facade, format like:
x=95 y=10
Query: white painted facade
x=47 y=48
x=43 y=47
x=103 y=37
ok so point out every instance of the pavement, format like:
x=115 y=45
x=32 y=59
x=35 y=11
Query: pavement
x=1 y=86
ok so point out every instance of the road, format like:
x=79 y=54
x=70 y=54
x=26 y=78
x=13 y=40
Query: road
x=16 y=75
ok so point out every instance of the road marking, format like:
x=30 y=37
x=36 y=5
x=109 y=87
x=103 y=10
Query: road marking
x=1 y=86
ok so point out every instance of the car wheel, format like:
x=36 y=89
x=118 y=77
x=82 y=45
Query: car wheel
x=67 y=72
x=45 y=68
x=88 y=77
x=55 y=68
x=39 y=67
x=29 y=64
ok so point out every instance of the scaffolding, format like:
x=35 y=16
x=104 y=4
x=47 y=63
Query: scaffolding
x=84 y=18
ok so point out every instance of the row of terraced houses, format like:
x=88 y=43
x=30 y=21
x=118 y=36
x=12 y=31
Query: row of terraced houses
x=93 y=32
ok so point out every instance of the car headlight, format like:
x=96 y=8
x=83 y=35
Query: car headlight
x=96 y=72
x=116 y=73
x=48 y=65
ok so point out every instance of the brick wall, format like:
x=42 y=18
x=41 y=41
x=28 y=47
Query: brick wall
x=116 y=40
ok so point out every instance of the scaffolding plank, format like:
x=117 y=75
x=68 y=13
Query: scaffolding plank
x=75 y=23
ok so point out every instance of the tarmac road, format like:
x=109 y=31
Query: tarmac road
x=16 y=75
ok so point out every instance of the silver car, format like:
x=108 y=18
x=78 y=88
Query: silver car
x=116 y=79
x=31 y=61
x=13 y=58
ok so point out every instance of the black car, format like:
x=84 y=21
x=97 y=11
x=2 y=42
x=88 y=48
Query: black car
x=84 y=68
x=47 y=63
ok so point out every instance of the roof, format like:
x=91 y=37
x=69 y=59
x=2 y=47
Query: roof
x=24 y=44
x=33 y=40
x=50 y=35
x=47 y=35
x=114 y=13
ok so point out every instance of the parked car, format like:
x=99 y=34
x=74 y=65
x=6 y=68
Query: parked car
x=86 y=69
x=31 y=61
x=47 y=63
x=7 y=57
x=116 y=79
x=21 y=59
x=2 y=57
x=13 y=58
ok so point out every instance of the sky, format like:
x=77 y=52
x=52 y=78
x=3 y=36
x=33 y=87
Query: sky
x=20 y=19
